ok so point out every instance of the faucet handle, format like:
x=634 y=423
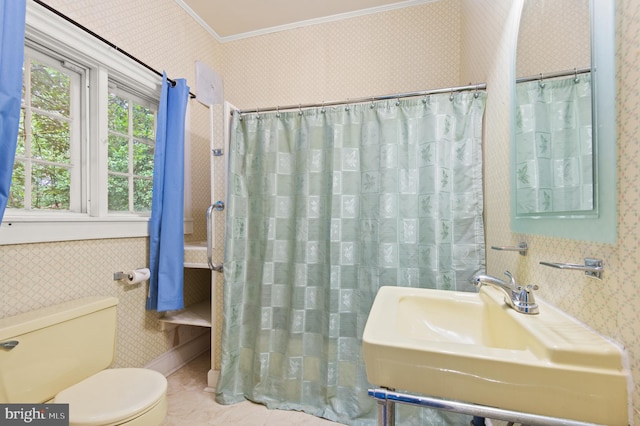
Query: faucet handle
x=528 y=287
x=526 y=301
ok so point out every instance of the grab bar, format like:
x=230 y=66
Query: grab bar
x=212 y=266
x=592 y=267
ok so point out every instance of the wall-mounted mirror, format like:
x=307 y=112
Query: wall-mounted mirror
x=563 y=121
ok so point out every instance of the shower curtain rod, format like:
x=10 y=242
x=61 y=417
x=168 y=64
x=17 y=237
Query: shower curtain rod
x=105 y=41
x=480 y=86
x=541 y=76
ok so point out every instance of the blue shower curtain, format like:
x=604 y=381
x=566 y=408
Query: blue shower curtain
x=12 y=23
x=166 y=226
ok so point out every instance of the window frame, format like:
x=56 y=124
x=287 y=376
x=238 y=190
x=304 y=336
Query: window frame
x=144 y=101
x=102 y=65
x=76 y=165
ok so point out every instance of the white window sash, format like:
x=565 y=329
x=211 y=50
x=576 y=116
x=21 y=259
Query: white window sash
x=74 y=120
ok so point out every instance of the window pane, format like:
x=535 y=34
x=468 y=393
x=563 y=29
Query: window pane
x=16 y=193
x=118 y=193
x=118 y=154
x=142 y=194
x=143 y=123
x=142 y=158
x=50 y=88
x=118 y=114
x=51 y=188
x=50 y=140
x=131 y=152
x=21 y=136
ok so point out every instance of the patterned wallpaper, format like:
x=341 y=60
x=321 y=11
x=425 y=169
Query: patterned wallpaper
x=437 y=44
x=408 y=49
x=36 y=275
x=553 y=36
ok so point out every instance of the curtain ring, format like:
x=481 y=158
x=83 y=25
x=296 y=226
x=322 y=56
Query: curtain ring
x=540 y=82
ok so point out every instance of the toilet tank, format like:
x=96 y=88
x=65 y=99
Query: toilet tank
x=58 y=346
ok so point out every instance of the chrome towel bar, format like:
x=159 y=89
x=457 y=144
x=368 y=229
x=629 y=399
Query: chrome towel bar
x=521 y=248
x=592 y=267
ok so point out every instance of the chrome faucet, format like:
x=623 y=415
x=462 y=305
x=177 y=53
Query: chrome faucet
x=517 y=297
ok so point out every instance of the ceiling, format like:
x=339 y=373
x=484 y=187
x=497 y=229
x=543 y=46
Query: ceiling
x=231 y=20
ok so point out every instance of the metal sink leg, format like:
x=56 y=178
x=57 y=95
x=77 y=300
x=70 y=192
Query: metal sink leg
x=386 y=411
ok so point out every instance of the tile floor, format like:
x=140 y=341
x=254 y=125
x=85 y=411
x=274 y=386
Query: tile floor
x=190 y=405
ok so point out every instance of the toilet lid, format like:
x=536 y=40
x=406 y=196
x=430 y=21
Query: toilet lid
x=113 y=395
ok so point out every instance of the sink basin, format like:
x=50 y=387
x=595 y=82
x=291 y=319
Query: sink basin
x=472 y=347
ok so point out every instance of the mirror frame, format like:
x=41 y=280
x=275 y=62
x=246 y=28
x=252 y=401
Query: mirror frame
x=601 y=226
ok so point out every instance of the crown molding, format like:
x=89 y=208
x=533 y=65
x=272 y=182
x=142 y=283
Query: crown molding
x=299 y=24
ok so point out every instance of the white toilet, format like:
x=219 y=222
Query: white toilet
x=62 y=356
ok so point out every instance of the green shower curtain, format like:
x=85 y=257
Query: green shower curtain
x=554 y=153
x=325 y=206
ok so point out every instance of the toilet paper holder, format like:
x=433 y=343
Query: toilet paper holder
x=117 y=276
x=132 y=277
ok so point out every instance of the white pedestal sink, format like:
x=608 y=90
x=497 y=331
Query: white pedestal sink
x=472 y=347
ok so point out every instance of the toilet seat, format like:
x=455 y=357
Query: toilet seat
x=114 y=396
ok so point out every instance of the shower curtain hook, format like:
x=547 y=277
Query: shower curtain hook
x=372 y=104
x=540 y=82
x=575 y=75
x=476 y=93
x=397 y=102
x=347 y=107
x=277 y=110
x=451 y=96
x=258 y=113
x=322 y=110
x=299 y=109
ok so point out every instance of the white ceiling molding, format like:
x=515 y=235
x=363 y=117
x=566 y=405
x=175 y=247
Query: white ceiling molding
x=299 y=24
x=199 y=20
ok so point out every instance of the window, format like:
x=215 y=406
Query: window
x=47 y=169
x=131 y=150
x=84 y=161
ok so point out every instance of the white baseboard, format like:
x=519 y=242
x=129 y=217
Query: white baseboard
x=212 y=380
x=177 y=357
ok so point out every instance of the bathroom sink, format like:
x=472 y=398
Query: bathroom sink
x=472 y=347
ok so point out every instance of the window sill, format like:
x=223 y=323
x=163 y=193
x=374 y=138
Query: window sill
x=24 y=230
